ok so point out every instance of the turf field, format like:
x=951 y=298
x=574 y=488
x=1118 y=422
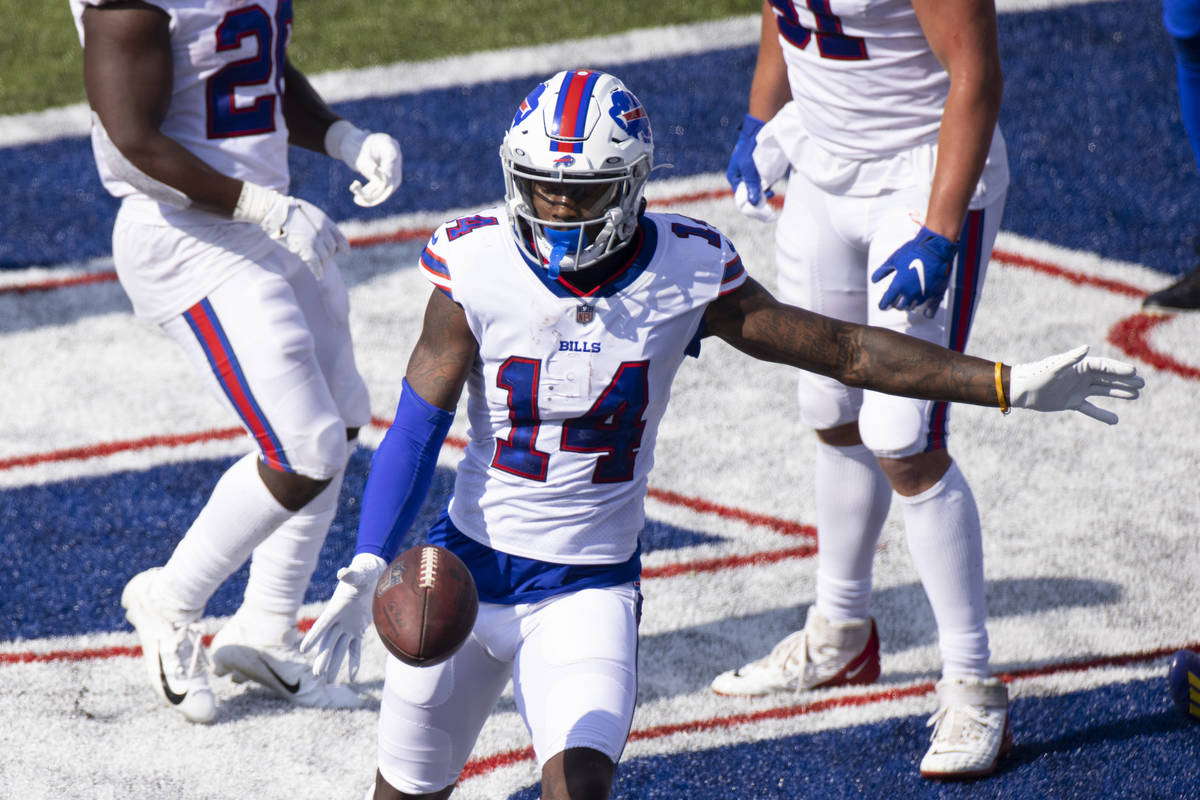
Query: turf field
x=108 y=447
x=41 y=66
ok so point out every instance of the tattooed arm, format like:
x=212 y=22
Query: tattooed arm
x=444 y=353
x=754 y=322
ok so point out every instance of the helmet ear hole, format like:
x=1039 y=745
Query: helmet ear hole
x=594 y=145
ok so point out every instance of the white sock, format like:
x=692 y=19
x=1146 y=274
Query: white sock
x=239 y=514
x=853 y=497
x=282 y=566
x=945 y=540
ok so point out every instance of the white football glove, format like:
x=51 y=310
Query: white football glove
x=768 y=164
x=296 y=224
x=339 y=630
x=1065 y=382
x=376 y=156
x=762 y=211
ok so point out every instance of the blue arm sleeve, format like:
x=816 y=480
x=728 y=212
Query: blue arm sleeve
x=401 y=472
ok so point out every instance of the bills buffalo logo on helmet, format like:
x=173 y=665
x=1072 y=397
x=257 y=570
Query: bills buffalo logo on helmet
x=630 y=115
x=528 y=104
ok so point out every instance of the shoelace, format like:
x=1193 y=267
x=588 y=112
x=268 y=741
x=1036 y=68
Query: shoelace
x=189 y=651
x=967 y=725
x=790 y=656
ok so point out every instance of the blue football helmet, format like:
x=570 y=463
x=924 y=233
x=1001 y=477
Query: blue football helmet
x=589 y=136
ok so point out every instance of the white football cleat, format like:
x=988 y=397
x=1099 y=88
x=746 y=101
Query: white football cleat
x=823 y=654
x=253 y=648
x=172 y=651
x=971 y=730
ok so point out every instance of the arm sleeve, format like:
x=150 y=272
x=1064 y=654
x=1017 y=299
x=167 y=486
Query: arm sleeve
x=401 y=472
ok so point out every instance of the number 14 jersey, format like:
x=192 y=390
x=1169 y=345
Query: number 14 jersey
x=565 y=399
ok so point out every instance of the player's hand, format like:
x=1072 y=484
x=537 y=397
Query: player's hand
x=761 y=211
x=376 y=156
x=922 y=268
x=1064 y=382
x=742 y=171
x=296 y=224
x=339 y=630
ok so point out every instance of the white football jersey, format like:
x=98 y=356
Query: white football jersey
x=565 y=400
x=227 y=98
x=867 y=99
x=864 y=68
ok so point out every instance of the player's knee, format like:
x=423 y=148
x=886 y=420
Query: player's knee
x=824 y=403
x=330 y=446
x=292 y=490
x=320 y=450
x=892 y=427
x=577 y=773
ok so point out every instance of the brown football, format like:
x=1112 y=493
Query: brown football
x=425 y=605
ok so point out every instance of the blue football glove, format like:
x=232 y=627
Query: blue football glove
x=741 y=167
x=922 y=269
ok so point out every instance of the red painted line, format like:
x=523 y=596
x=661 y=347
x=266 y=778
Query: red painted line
x=424 y=232
x=52 y=656
x=729 y=512
x=492 y=763
x=729 y=562
x=111 y=448
x=1122 y=660
x=403 y=235
x=1131 y=336
x=1071 y=276
x=60 y=283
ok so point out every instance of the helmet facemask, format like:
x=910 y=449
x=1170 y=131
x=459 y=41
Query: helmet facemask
x=596 y=175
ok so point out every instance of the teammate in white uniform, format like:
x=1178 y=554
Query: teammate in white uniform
x=566 y=313
x=194 y=105
x=885 y=112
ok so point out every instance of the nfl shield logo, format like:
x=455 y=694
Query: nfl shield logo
x=584 y=313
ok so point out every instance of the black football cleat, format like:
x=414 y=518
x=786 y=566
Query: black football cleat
x=1183 y=295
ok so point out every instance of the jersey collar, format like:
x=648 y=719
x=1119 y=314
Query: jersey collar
x=645 y=241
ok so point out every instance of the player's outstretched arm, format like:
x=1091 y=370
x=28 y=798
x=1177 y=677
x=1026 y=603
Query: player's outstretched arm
x=315 y=126
x=754 y=322
x=398 y=483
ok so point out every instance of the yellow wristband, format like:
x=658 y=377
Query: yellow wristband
x=1004 y=407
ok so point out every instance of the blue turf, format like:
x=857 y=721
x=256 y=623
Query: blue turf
x=1136 y=748
x=1099 y=157
x=67 y=549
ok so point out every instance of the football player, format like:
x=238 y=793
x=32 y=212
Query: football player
x=194 y=105
x=885 y=112
x=1181 y=18
x=565 y=312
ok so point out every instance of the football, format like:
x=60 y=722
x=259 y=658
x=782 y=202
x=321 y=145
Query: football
x=425 y=605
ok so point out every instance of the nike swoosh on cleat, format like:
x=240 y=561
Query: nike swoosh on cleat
x=291 y=688
x=852 y=674
x=172 y=697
